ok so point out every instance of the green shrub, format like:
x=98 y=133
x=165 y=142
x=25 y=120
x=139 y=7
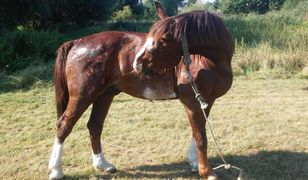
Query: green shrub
x=135 y=26
x=23 y=47
x=123 y=14
x=197 y=6
x=248 y=6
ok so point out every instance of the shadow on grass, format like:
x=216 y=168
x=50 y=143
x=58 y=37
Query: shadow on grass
x=263 y=165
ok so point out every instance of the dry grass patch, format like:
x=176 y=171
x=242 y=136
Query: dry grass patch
x=261 y=126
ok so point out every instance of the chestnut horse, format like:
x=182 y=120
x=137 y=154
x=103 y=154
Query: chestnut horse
x=95 y=68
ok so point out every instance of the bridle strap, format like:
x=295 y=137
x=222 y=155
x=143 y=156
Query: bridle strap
x=187 y=62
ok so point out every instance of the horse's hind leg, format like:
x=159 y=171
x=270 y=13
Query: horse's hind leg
x=75 y=108
x=95 y=125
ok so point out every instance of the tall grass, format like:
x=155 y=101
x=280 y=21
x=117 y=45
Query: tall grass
x=26 y=78
x=265 y=61
x=272 y=45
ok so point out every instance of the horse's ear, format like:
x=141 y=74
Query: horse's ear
x=160 y=11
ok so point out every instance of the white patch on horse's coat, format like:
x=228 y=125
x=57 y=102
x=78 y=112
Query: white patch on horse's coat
x=159 y=93
x=100 y=163
x=148 y=43
x=81 y=51
x=54 y=164
x=85 y=52
x=192 y=156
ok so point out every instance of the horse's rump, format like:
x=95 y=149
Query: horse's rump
x=60 y=77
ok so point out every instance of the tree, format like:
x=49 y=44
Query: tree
x=136 y=7
x=149 y=9
x=189 y=2
x=171 y=7
x=123 y=14
x=43 y=13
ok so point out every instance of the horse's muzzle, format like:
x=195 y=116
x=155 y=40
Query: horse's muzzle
x=142 y=69
x=138 y=68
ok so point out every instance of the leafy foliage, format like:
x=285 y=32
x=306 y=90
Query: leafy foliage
x=198 y=6
x=171 y=7
x=46 y=13
x=247 y=6
x=136 y=7
x=123 y=15
x=23 y=47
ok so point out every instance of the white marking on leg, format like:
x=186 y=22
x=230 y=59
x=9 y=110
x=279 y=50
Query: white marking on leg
x=100 y=163
x=54 y=164
x=192 y=155
x=146 y=45
x=212 y=176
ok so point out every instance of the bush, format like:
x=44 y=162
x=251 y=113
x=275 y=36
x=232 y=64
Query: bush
x=247 y=6
x=123 y=15
x=135 y=26
x=197 y=6
x=23 y=47
x=47 y=13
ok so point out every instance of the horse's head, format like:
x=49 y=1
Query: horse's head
x=160 y=51
x=158 y=54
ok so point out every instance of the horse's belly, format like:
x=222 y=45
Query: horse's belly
x=159 y=93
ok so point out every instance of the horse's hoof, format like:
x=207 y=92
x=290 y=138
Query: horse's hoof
x=194 y=167
x=111 y=170
x=56 y=174
x=212 y=176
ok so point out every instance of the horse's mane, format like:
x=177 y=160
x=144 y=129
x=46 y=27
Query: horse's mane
x=202 y=29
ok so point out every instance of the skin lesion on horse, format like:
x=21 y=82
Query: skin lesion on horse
x=95 y=68
x=84 y=52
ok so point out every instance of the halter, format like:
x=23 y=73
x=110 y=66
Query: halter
x=203 y=106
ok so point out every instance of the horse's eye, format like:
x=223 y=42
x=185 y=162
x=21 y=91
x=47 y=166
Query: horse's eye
x=161 y=44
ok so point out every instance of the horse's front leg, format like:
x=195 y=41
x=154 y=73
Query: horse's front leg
x=95 y=126
x=197 y=122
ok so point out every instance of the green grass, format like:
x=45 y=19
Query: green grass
x=261 y=125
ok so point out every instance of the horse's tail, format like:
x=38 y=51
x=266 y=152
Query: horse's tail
x=61 y=88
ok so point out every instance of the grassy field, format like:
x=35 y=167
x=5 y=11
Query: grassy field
x=261 y=126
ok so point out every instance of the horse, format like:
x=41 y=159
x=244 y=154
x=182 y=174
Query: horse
x=95 y=68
